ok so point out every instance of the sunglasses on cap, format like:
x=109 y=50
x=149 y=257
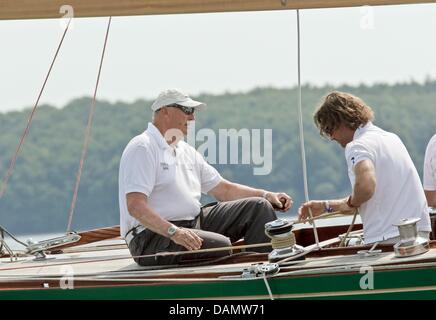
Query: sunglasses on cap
x=186 y=110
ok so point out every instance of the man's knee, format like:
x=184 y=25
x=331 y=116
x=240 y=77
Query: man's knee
x=257 y=202
x=213 y=240
x=263 y=207
x=146 y=246
x=262 y=202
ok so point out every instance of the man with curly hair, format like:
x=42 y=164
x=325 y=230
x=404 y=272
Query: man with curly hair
x=386 y=185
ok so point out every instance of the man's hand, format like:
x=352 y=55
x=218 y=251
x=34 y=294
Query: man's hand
x=280 y=201
x=317 y=207
x=187 y=238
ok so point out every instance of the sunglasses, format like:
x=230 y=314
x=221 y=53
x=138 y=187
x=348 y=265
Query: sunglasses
x=186 y=110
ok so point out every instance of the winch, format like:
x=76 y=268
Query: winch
x=257 y=270
x=37 y=248
x=411 y=243
x=282 y=240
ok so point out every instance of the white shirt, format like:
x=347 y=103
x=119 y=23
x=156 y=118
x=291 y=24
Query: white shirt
x=398 y=192
x=171 y=178
x=430 y=165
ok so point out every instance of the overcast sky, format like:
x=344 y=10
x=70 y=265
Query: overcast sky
x=215 y=53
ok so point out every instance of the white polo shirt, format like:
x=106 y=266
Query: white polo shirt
x=172 y=181
x=430 y=165
x=398 y=192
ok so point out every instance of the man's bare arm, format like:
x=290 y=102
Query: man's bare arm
x=364 y=186
x=228 y=191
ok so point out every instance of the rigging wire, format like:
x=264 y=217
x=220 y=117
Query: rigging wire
x=3 y=231
x=87 y=133
x=300 y=118
x=29 y=121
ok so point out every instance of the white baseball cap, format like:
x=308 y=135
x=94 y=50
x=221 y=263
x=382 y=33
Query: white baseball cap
x=174 y=96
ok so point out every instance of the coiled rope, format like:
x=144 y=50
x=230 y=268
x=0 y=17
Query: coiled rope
x=283 y=241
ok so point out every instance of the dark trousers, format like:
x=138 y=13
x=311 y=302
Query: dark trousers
x=218 y=224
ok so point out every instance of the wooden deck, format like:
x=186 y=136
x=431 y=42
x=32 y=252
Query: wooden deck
x=89 y=261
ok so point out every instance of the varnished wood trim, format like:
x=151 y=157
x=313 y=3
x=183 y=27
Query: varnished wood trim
x=40 y=9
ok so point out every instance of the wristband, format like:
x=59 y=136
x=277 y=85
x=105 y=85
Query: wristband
x=327 y=207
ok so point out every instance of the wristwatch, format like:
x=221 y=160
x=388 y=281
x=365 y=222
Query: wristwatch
x=171 y=230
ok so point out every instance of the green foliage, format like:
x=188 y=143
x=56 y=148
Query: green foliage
x=41 y=189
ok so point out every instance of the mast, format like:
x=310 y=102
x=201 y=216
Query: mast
x=44 y=9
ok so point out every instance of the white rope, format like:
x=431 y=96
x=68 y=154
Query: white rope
x=267 y=287
x=283 y=242
x=327 y=215
x=300 y=112
x=378 y=266
x=309 y=249
x=349 y=228
x=128 y=256
x=183 y=279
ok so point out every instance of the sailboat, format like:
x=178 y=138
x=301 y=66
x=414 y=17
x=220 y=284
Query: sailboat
x=310 y=263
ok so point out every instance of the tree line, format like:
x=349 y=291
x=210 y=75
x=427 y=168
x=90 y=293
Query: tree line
x=40 y=191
